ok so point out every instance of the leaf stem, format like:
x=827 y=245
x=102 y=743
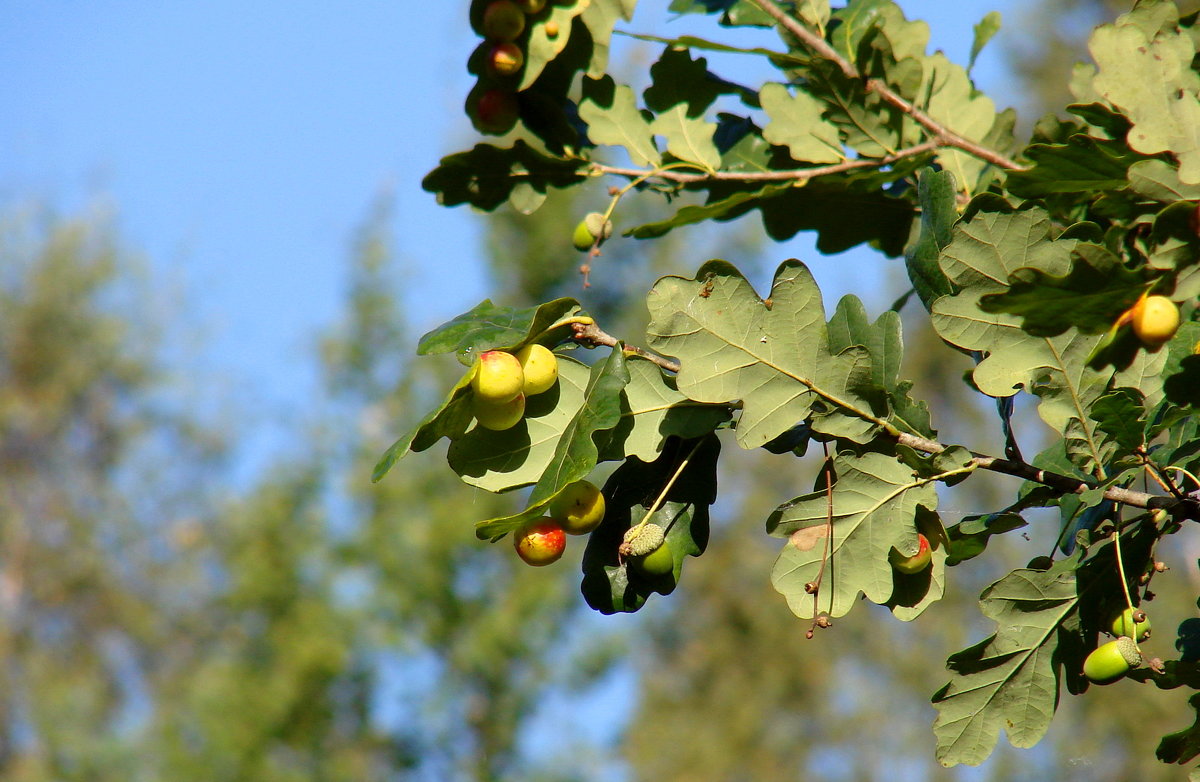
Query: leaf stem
x=1121 y=571
x=663 y=494
x=827 y=547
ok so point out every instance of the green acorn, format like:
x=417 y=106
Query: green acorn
x=591 y=227
x=1127 y=623
x=1112 y=660
x=658 y=562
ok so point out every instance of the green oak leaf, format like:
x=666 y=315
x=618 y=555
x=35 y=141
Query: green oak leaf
x=1159 y=180
x=1181 y=372
x=939 y=212
x=541 y=47
x=861 y=23
x=575 y=449
x=869 y=126
x=449 y=419
x=987 y=27
x=875 y=501
x=987 y=248
x=654 y=411
x=1090 y=297
x=820 y=205
x=1080 y=165
x=1010 y=680
x=499 y=461
x=488 y=327
x=612 y=586
x=715 y=210
x=600 y=17
x=678 y=79
x=775 y=359
x=912 y=593
x=688 y=138
x=486 y=176
x=848 y=327
x=955 y=103
x=684 y=42
x=969 y=538
x=1120 y=414
x=1147 y=74
x=612 y=116
x=796 y=123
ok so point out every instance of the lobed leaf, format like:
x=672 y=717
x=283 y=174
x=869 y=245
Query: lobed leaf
x=688 y=138
x=1145 y=69
x=488 y=327
x=939 y=212
x=1090 y=297
x=849 y=327
x=988 y=247
x=775 y=358
x=796 y=123
x=987 y=27
x=487 y=176
x=875 y=506
x=449 y=419
x=612 y=116
x=1008 y=681
x=518 y=456
x=1082 y=164
x=1182 y=745
x=653 y=411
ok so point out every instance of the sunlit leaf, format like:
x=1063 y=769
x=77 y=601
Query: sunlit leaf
x=612 y=116
x=774 y=358
x=1148 y=75
x=575 y=450
x=874 y=509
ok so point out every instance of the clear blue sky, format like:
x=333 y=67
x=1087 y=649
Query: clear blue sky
x=241 y=143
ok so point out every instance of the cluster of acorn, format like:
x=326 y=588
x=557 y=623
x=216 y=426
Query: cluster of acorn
x=577 y=510
x=1110 y=661
x=502 y=23
x=502 y=380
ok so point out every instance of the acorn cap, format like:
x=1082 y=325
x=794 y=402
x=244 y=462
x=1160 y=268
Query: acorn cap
x=1129 y=650
x=639 y=541
x=597 y=226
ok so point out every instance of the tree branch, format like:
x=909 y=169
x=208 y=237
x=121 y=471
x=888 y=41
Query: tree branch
x=591 y=335
x=942 y=134
x=1063 y=483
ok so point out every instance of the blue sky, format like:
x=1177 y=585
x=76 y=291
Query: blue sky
x=241 y=144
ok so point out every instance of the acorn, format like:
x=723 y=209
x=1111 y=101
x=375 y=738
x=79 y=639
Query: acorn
x=1128 y=624
x=592 y=227
x=658 y=562
x=1112 y=660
